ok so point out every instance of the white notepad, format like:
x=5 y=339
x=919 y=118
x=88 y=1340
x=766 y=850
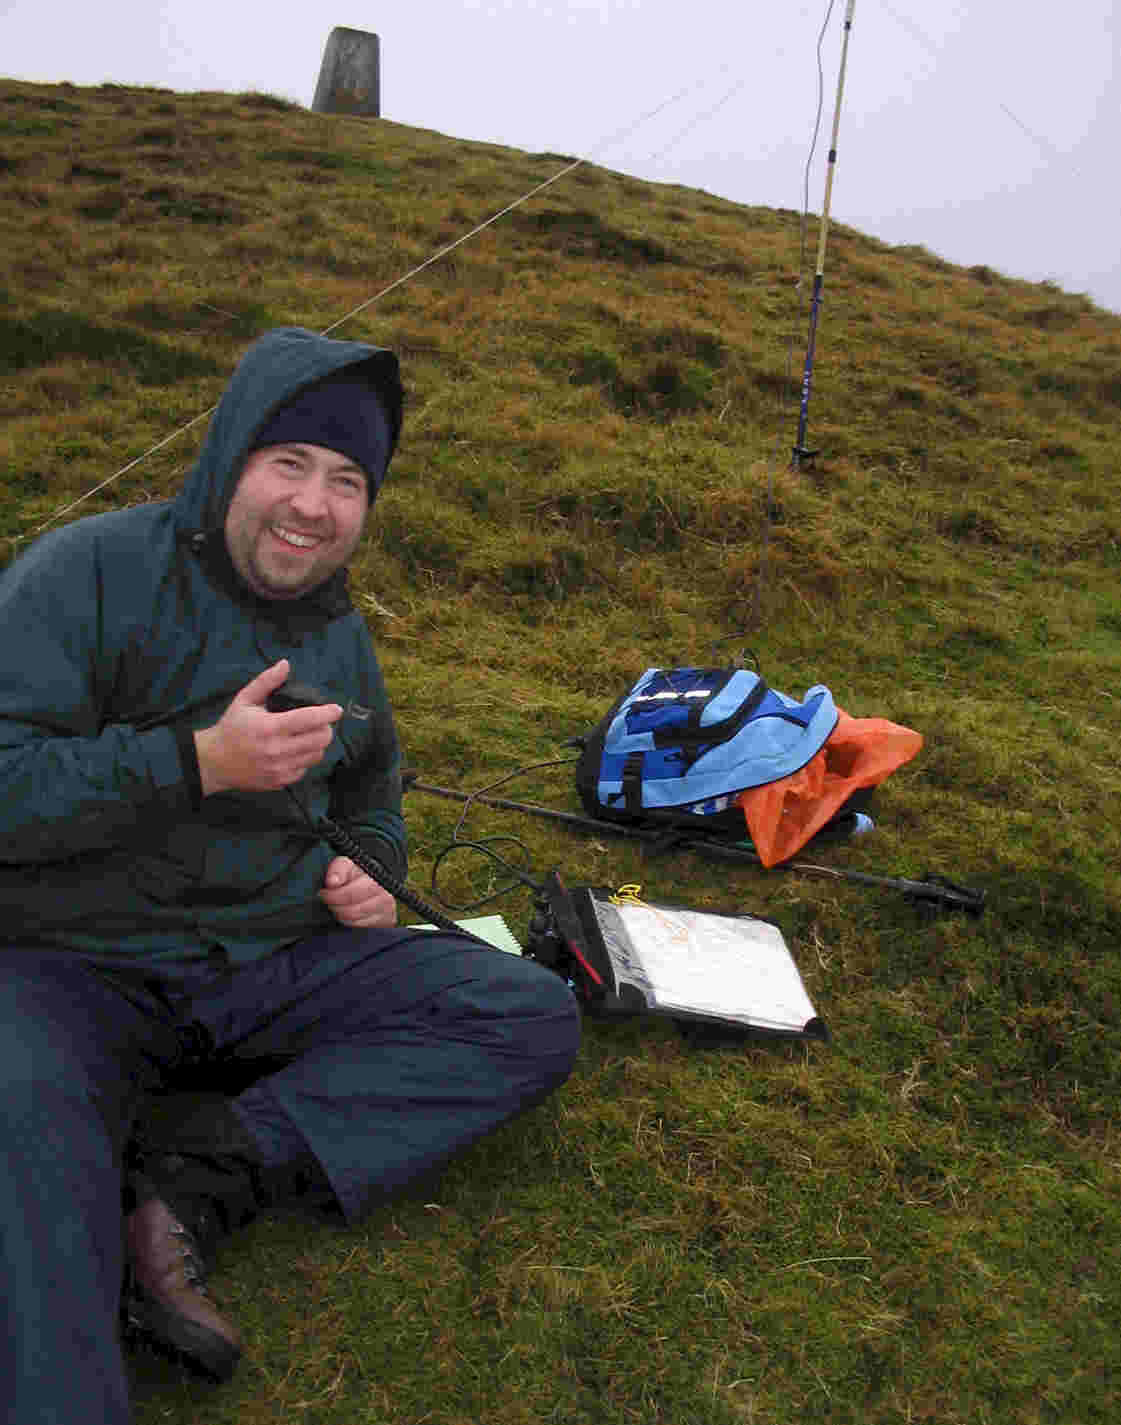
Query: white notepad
x=724 y=967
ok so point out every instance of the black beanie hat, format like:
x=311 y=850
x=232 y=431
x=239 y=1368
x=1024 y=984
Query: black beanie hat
x=342 y=414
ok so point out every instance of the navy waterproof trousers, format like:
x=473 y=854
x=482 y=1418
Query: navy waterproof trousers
x=382 y=1052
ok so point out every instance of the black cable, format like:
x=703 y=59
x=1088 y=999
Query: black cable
x=484 y=846
x=509 y=777
x=293 y=695
x=342 y=841
x=345 y=844
x=520 y=875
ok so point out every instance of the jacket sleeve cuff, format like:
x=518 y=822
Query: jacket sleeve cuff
x=189 y=758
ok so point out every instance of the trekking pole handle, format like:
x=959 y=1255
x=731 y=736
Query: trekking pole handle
x=936 y=889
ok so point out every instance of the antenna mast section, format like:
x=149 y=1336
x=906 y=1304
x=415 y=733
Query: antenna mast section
x=801 y=453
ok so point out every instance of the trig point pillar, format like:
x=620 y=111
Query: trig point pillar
x=350 y=75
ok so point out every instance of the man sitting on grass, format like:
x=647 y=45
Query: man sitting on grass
x=172 y=910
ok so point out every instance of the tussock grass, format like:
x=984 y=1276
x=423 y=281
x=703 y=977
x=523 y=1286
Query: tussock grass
x=917 y=1222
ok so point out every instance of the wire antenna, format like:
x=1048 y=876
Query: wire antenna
x=398 y=282
x=604 y=144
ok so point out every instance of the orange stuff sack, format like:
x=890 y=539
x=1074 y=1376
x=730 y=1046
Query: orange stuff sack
x=859 y=753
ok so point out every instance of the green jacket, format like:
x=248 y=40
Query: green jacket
x=120 y=635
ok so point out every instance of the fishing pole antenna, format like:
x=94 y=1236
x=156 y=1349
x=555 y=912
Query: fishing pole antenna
x=801 y=452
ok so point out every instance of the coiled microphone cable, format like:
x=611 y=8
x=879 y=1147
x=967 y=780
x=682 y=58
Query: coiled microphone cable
x=292 y=695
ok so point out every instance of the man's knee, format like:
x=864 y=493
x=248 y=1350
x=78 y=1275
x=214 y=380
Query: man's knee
x=38 y=1040
x=65 y=1038
x=521 y=1009
x=555 y=1010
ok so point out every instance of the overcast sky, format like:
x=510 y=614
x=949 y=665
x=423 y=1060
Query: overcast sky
x=987 y=132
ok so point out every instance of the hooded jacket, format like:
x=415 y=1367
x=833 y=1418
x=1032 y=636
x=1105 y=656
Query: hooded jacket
x=124 y=633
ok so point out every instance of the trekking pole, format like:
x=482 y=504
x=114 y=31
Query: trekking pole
x=583 y=823
x=933 y=889
x=800 y=451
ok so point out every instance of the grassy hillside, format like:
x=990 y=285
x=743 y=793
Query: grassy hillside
x=919 y=1221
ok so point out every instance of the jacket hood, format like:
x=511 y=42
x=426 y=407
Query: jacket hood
x=273 y=370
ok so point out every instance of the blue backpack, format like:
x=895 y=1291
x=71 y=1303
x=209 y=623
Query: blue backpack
x=684 y=742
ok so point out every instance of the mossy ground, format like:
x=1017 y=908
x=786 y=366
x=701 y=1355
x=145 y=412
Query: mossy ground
x=917 y=1222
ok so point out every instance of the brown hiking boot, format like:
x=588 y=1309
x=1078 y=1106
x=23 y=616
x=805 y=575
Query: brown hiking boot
x=167 y=1300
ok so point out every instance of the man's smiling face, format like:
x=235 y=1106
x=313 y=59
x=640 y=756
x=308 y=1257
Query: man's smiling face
x=295 y=518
